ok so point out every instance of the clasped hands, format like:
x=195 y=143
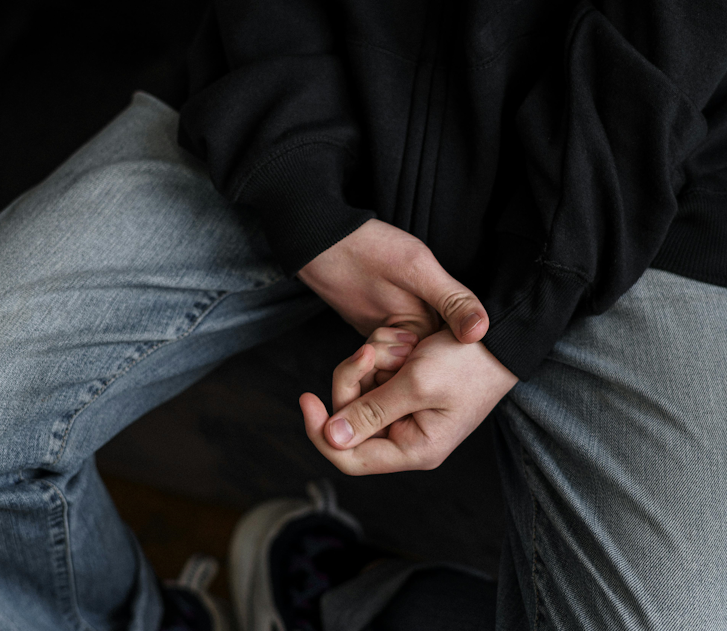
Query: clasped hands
x=422 y=382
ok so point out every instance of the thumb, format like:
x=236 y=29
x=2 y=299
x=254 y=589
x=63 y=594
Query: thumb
x=314 y=413
x=368 y=414
x=457 y=305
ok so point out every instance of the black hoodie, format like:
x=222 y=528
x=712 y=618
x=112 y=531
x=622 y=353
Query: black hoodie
x=547 y=151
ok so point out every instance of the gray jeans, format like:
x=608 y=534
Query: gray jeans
x=126 y=277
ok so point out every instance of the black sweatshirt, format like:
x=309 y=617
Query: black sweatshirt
x=547 y=151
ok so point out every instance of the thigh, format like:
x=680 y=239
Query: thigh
x=125 y=277
x=614 y=469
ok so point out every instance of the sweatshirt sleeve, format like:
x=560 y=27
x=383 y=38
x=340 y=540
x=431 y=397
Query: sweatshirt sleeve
x=605 y=130
x=269 y=113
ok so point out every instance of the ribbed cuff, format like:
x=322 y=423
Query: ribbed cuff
x=299 y=196
x=695 y=244
x=524 y=334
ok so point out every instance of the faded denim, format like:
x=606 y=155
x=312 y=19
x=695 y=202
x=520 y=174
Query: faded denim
x=614 y=463
x=126 y=277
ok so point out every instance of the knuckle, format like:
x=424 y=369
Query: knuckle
x=370 y=415
x=431 y=458
x=379 y=348
x=418 y=253
x=419 y=260
x=454 y=303
x=417 y=387
x=423 y=387
x=432 y=462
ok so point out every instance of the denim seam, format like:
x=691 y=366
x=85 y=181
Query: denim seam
x=534 y=567
x=63 y=569
x=154 y=347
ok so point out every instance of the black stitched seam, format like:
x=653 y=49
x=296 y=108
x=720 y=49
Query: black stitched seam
x=564 y=270
x=488 y=61
x=382 y=49
x=533 y=569
x=559 y=205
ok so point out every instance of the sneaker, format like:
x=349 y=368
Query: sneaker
x=187 y=604
x=286 y=553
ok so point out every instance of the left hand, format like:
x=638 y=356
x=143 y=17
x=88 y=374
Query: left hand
x=443 y=391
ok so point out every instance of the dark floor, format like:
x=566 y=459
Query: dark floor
x=171 y=528
x=66 y=68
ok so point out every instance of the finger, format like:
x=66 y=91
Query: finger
x=371 y=412
x=375 y=455
x=459 y=307
x=355 y=375
x=348 y=375
x=390 y=356
x=410 y=449
x=404 y=447
x=389 y=359
x=422 y=325
x=315 y=414
x=315 y=417
x=393 y=335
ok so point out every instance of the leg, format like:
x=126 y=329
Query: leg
x=126 y=277
x=613 y=463
x=402 y=596
x=303 y=564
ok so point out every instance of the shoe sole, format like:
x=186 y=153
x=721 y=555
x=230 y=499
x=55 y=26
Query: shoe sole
x=252 y=591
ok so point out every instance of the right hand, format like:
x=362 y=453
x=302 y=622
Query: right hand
x=377 y=361
x=380 y=275
x=415 y=419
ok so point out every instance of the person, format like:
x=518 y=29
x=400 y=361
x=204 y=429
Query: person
x=554 y=171
x=126 y=278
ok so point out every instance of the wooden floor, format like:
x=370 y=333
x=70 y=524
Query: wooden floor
x=171 y=528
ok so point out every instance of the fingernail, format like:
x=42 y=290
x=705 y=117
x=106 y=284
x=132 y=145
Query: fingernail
x=400 y=351
x=469 y=323
x=409 y=338
x=358 y=353
x=341 y=431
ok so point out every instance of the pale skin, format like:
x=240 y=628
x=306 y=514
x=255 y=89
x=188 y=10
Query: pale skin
x=382 y=276
x=401 y=403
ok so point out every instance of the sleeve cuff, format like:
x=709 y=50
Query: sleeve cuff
x=521 y=336
x=299 y=196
